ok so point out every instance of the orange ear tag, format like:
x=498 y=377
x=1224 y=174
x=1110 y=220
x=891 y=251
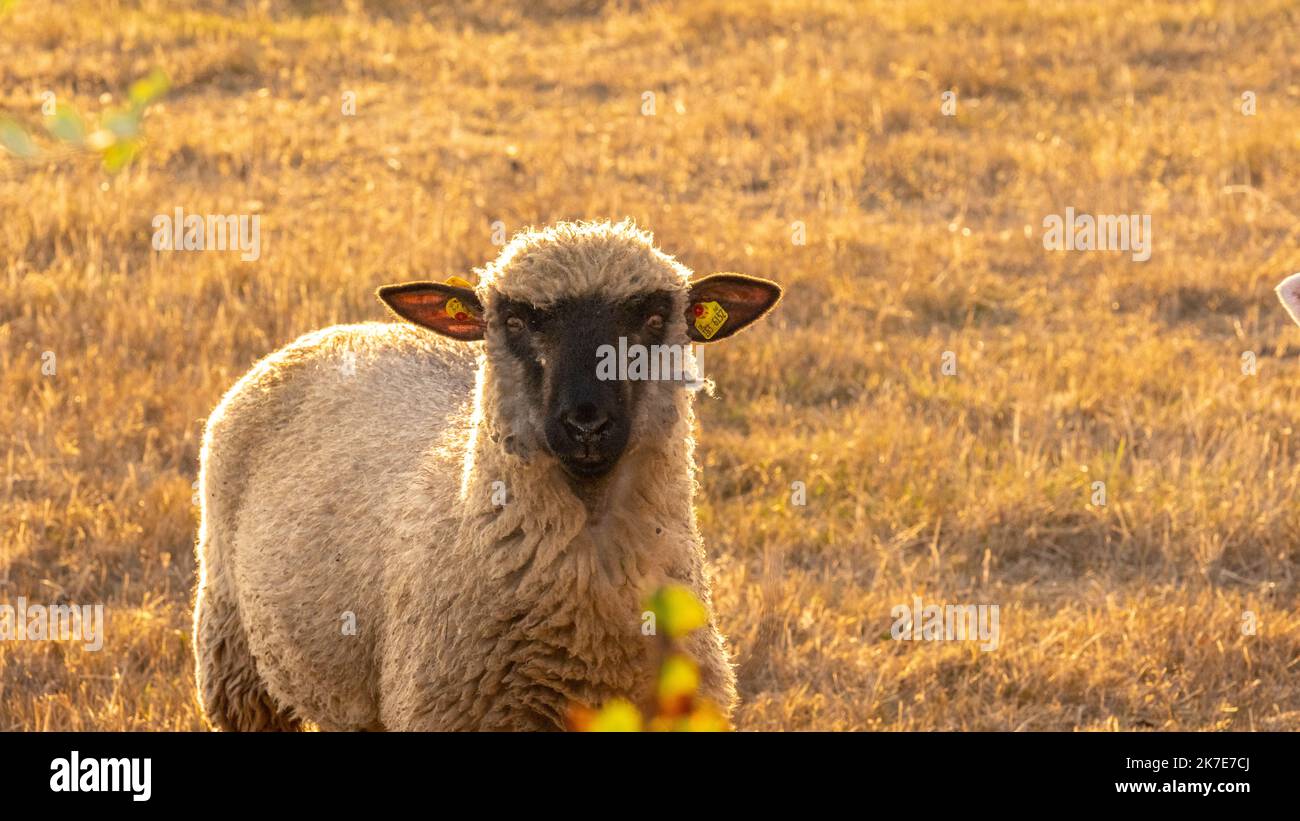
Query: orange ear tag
x=454 y=307
x=709 y=318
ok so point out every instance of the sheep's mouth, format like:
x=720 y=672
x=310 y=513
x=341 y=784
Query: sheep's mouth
x=587 y=466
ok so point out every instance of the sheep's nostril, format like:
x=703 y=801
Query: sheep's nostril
x=586 y=424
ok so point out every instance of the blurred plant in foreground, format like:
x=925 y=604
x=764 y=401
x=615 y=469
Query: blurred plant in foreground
x=115 y=136
x=675 y=613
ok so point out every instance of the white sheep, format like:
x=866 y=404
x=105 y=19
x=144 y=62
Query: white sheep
x=1289 y=293
x=403 y=531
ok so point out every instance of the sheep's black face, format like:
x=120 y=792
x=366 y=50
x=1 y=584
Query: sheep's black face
x=587 y=415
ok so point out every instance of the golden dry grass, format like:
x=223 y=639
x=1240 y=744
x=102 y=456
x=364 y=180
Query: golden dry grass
x=923 y=236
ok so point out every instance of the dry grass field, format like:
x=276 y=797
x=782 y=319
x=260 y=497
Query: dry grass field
x=922 y=234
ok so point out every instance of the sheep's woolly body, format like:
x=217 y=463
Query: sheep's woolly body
x=355 y=477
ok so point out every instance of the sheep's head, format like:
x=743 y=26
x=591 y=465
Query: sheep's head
x=554 y=308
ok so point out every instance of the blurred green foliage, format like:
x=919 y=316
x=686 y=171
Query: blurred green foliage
x=678 y=705
x=677 y=611
x=115 y=136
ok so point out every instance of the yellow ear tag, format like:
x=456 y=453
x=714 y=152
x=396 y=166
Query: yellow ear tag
x=454 y=307
x=709 y=318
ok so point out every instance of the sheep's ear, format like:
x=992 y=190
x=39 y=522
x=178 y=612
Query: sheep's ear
x=722 y=304
x=1289 y=293
x=450 y=310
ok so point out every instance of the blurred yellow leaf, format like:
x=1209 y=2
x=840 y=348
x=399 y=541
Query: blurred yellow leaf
x=617 y=716
x=704 y=718
x=677 y=611
x=707 y=718
x=147 y=89
x=679 y=679
x=117 y=155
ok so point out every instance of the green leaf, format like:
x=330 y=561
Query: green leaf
x=122 y=123
x=66 y=124
x=147 y=89
x=677 y=611
x=118 y=155
x=16 y=140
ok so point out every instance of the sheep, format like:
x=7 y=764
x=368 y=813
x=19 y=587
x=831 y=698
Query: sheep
x=1289 y=293
x=404 y=530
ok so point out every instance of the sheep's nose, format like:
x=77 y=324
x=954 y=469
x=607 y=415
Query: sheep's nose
x=585 y=423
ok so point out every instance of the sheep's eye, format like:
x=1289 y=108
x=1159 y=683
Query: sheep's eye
x=655 y=322
x=515 y=324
